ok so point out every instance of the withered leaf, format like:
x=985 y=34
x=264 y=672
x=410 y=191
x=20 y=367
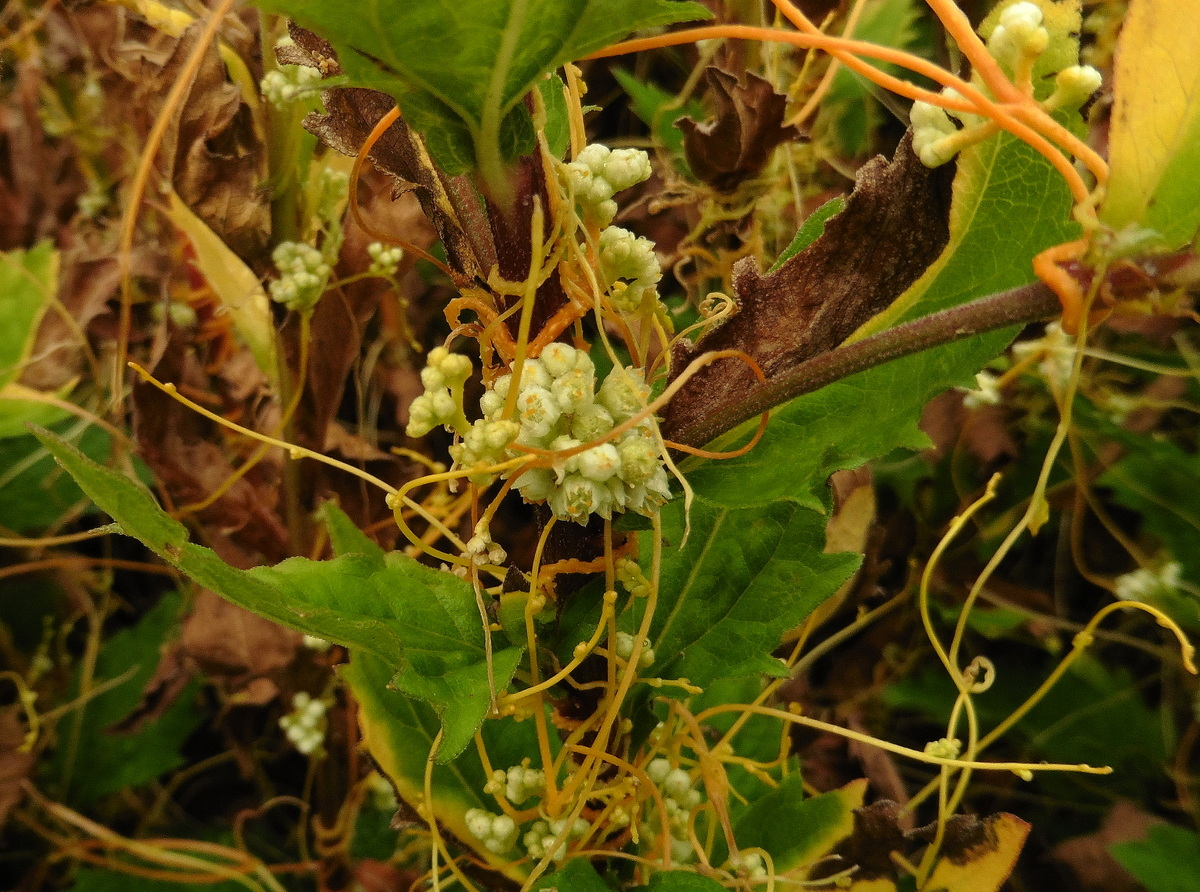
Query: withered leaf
x=351 y=113
x=190 y=462
x=739 y=142
x=217 y=164
x=15 y=765
x=235 y=646
x=895 y=224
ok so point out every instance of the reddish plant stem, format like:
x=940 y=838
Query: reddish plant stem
x=1018 y=306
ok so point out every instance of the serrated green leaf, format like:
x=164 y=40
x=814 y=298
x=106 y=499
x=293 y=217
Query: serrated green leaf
x=106 y=762
x=459 y=68
x=399 y=732
x=1154 y=140
x=422 y=622
x=461 y=697
x=1167 y=860
x=742 y=579
x=346 y=538
x=797 y=830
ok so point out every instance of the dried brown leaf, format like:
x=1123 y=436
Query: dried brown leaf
x=15 y=766
x=748 y=127
x=236 y=647
x=188 y=459
x=894 y=225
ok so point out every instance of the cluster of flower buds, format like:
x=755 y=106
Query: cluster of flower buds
x=303 y=274
x=498 y=833
x=1017 y=42
x=541 y=836
x=384 y=260
x=1149 y=585
x=681 y=798
x=305 y=724
x=629 y=268
x=625 y=643
x=518 y=784
x=288 y=83
x=443 y=378
x=559 y=409
x=598 y=173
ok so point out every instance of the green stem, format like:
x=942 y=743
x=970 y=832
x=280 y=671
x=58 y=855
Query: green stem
x=1017 y=306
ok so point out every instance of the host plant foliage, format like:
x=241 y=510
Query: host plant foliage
x=611 y=712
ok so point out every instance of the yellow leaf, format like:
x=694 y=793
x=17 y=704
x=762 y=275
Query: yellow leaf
x=1154 y=141
x=983 y=862
x=241 y=294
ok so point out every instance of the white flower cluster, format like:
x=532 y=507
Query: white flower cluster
x=749 y=865
x=680 y=798
x=1057 y=351
x=303 y=273
x=986 y=392
x=384 y=260
x=519 y=783
x=1149 y=585
x=559 y=408
x=443 y=378
x=305 y=724
x=542 y=834
x=481 y=549
x=599 y=173
x=1019 y=35
x=629 y=268
x=933 y=133
x=625 y=643
x=288 y=83
x=498 y=833
x=1017 y=41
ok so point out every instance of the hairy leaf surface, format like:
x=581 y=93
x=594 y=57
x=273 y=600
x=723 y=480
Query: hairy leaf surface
x=459 y=68
x=422 y=622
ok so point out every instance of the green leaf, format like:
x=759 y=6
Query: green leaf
x=347 y=538
x=810 y=230
x=107 y=761
x=817 y=434
x=459 y=68
x=680 y=881
x=34 y=491
x=1168 y=860
x=558 y=121
x=1154 y=139
x=423 y=622
x=658 y=110
x=577 y=875
x=742 y=579
x=1009 y=204
x=849 y=105
x=399 y=732
x=28 y=283
x=96 y=879
x=796 y=830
